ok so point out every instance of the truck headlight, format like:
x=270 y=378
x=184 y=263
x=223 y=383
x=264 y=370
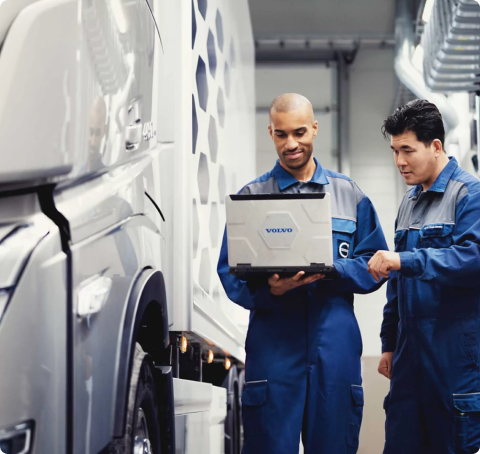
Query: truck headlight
x=16 y=439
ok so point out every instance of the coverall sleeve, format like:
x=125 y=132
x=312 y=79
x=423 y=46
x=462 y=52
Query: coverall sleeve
x=250 y=296
x=369 y=238
x=388 y=333
x=458 y=264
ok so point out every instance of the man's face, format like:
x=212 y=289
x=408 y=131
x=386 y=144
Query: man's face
x=415 y=160
x=293 y=133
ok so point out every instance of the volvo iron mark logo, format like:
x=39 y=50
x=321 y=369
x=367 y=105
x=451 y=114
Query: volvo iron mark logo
x=279 y=230
x=343 y=249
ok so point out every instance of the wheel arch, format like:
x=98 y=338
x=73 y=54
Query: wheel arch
x=145 y=322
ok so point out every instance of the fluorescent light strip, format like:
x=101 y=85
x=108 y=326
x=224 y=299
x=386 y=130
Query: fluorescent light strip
x=417 y=59
x=427 y=11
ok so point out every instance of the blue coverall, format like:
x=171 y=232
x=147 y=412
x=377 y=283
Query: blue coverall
x=303 y=348
x=431 y=320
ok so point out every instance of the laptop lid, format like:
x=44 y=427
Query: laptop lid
x=282 y=231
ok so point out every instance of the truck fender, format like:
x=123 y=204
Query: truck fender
x=148 y=293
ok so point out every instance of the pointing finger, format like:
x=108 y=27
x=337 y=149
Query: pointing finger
x=373 y=259
x=385 y=276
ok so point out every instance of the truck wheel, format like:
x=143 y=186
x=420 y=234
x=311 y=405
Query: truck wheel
x=237 y=421
x=233 y=419
x=241 y=386
x=142 y=431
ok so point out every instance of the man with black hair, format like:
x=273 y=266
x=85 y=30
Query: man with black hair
x=431 y=327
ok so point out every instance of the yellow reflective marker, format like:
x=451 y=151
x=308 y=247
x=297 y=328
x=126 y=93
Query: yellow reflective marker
x=183 y=344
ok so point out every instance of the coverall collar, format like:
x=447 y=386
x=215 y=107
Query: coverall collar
x=286 y=179
x=440 y=184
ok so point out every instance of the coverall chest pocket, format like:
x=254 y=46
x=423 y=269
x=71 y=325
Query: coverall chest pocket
x=254 y=400
x=355 y=416
x=436 y=236
x=466 y=429
x=343 y=236
x=400 y=240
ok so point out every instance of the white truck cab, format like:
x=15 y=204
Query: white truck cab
x=117 y=123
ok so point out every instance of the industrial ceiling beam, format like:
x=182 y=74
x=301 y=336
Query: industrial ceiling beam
x=298 y=48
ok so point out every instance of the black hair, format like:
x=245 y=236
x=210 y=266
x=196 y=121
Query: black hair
x=418 y=116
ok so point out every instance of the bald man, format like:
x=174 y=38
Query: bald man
x=303 y=343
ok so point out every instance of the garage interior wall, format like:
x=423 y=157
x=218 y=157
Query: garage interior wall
x=372 y=89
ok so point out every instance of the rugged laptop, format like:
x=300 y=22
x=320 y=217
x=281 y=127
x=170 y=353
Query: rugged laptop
x=279 y=233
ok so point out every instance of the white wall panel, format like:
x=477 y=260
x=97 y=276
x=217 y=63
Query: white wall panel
x=373 y=86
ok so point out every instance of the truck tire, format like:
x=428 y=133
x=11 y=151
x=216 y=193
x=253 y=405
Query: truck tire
x=241 y=386
x=233 y=419
x=142 y=430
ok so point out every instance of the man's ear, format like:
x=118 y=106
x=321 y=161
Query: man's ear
x=315 y=128
x=438 y=147
x=270 y=131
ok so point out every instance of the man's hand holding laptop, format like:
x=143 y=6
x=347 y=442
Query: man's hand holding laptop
x=278 y=286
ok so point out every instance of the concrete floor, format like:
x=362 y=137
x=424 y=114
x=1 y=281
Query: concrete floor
x=375 y=387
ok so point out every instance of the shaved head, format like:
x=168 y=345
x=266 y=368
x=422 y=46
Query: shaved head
x=293 y=128
x=289 y=102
